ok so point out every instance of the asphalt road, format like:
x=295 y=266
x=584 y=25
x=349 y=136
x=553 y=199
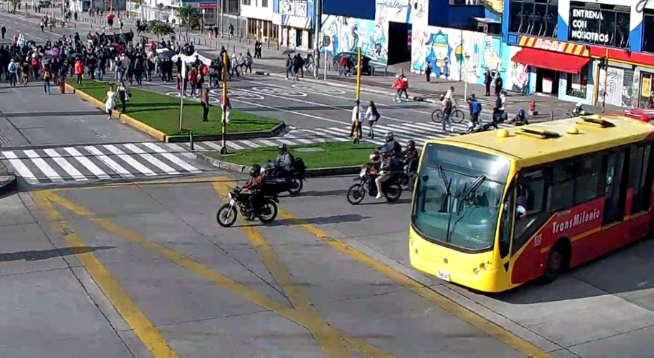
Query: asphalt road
x=124 y=271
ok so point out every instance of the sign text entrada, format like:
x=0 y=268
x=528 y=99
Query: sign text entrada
x=579 y=26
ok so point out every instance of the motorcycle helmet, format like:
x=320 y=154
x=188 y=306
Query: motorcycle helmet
x=411 y=144
x=282 y=148
x=521 y=112
x=390 y=137
x=255 y=170
x=375 y=158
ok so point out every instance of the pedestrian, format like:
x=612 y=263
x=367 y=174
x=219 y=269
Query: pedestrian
x=110 y=101
x=225 y=106
x=248 y=62
x=372 y=114
x=79 y=71
x=62 y=79
x=475 y=110
x=356 y=120
x=204 y=100
x=123 y=95
x=428 y=72
x=42 y=26
x=231 y=30
x=289 y=67
x=3 y=31
x=235 y=65
x=498 y=84
x=25 y=72
x=447 y=114
x=13 y=73
x=193 y=80
x=404 y=87
x=47 y=75
x=488 y=79
x=343 y=68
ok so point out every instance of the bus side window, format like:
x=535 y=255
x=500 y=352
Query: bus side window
x=530 y=210
x=562 y=186
x=506 y=224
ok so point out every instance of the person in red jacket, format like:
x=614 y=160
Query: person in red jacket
x=397 y=85
x=193 y=80
x=79 y=71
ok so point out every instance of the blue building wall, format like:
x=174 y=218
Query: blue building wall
x=359 y=9
x=441 y=13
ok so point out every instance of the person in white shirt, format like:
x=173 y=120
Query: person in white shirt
x=450 y=95
x=372 y=115
x=110 y=101
x=356 y=119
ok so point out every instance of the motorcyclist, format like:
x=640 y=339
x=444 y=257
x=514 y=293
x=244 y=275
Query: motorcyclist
x=284 y=162
x=579 y=110
x=389 y=165
x=392 y=147
x=254 y=187
x=409 y=157
x=520 y=118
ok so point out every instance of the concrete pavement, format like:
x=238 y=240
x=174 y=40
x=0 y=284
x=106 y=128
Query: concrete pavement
x=150 y=274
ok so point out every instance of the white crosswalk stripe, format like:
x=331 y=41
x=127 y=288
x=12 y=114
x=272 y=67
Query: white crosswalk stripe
x=61 y=165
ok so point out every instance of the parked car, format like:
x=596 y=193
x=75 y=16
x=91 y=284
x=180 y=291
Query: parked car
x=45 y=3
x=366 y=67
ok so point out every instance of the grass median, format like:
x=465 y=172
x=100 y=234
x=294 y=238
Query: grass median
x=315 y=156
x=161 y=112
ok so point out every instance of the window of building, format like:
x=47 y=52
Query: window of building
x=648 y=27
x=599 y=24
x=534 y=17
x=246 y=2
x=264 y=3
x=576 y=86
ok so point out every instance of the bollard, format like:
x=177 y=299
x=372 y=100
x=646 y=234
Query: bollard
x=190 y=135
x=551 y=115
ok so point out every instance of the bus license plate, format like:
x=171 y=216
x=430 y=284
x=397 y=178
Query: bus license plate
x=443 y=276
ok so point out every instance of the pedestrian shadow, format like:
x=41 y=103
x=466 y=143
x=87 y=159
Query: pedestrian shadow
x=335 y=219
x=37 y=255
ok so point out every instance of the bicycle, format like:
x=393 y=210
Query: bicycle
x=457 y=116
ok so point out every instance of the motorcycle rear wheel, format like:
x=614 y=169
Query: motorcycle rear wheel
x=393 y=193
x=268 y=212
x=356 y=194
x=226 y=217
x=296 y=186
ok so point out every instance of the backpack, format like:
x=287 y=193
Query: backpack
x=13 y=67
x=298 y=165
x=34 y=62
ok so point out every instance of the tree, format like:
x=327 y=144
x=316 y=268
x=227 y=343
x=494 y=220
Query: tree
x=160 y=28
x=14 y=4
x=189 y=18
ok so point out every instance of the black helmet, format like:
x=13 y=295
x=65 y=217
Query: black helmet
x=255 y=170
x=411 y=144
x=282 y=148
x=390 y=136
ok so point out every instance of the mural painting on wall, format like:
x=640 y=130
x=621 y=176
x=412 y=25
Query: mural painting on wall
x=518 y=77
x=618 y=91
x=456 y=54
x=406 y=11
x=346 y=34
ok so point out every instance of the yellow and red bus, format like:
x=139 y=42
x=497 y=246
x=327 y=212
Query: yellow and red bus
x=497 y=209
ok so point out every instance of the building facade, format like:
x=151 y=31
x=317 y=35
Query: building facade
x=294 y=22
x=259 y=15
x=558 y=46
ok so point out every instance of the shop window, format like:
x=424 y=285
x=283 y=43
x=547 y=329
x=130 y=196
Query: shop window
x=534 y=17
x=599 y=24
x=577 y=83
x=648 y=27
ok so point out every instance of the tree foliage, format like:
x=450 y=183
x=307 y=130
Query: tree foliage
x=160 y=28
x=14 y=4
x=189 y=17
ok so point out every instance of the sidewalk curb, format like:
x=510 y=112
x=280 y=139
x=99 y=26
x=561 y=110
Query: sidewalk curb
x=161 y=136
x=312 y=173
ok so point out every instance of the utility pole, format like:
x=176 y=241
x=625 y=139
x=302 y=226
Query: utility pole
x=222 y=12
x=317 y=28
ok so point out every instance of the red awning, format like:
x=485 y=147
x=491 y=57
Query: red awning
x=550 y=60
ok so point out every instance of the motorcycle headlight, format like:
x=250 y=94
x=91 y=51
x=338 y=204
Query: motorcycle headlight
x=231 y=196
x=362 y=173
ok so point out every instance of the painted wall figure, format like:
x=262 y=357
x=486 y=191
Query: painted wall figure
x=345 y=34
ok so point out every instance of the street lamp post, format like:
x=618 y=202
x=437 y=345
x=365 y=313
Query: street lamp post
x=223 y=107
x=357 y=120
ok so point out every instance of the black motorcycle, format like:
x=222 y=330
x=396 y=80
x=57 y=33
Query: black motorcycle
x=292 y=182
x=366 y=184
x=228 y=213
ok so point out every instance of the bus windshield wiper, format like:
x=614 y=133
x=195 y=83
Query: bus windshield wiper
x=446 y=183
x=473 y=188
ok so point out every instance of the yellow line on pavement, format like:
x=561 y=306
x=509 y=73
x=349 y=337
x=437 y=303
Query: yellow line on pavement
x=422 y=290
x=328 y=338
x=144 y=329
x=158 y=182
x=355 y=344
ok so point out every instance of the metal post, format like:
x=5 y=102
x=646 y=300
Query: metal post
x=465 y=80
x=223 y=107
x=190 y=135
x=357 y=123
x=317 y=30
x=606 y=76
x=324 y=72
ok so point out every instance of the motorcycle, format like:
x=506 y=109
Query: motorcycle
x=293 y=183
x=228 y=213
x=366 y=184
x=481 y=127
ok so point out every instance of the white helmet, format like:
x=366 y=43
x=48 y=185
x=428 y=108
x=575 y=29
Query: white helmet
x=374 y=158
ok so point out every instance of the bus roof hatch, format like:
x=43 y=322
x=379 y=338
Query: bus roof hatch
x=596 y=121
x=539 y=133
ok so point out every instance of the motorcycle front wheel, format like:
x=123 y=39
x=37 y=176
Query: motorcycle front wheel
x=393 y=193
x=226 y=215
x=355 y=194
x=296 y=186
x=268 y=212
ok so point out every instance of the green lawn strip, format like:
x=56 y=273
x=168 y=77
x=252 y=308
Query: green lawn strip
x=161 y=112
x=337 y=154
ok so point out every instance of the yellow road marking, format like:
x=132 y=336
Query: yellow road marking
x=144 y=329
x=156 y=182
x=326 y=336
x=353 y=343
x=426 y=292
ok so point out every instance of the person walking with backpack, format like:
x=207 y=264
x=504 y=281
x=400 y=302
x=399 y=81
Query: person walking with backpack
x=13 y=73
x=475 y=110
x=47 y=75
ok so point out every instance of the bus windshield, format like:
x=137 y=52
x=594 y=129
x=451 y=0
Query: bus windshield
x=458 y=196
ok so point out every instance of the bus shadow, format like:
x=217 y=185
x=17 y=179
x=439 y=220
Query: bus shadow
x=626 y=270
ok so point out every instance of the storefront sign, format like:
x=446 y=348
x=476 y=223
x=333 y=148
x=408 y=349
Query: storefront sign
x=293 y=8
x=581 y=30
x=208 y=5
x=552 y=45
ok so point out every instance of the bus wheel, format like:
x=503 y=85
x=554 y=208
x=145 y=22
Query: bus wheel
x=557 y=261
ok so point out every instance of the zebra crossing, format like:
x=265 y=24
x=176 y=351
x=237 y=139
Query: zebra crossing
x=63 y=165
x=420 y=132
